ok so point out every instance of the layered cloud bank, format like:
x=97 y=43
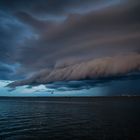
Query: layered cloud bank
x=91 y=69
x=38 y=34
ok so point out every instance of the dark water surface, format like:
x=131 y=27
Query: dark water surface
x=70 y=118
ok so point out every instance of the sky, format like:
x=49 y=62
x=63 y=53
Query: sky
x=69 y=47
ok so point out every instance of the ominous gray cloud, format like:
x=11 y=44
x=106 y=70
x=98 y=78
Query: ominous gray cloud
x=100 y=33
x=119 y=85
x=55 y=7
x=5 y=71
x=12 y=35
x=69 y=35
x=92 y=69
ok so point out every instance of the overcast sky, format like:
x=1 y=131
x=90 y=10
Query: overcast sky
x=43 y=41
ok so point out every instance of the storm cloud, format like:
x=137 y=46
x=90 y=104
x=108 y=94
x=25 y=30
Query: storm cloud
x=68 y=39
x=92 y=69
x=98 y=33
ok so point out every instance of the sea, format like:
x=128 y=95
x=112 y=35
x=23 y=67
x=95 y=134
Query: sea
x=70 y=118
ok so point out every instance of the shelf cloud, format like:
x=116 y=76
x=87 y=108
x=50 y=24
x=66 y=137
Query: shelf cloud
x=64 y=40
x=92 y=69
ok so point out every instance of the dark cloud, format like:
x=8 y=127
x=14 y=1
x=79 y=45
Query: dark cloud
x=12 y=34
x=92 y=69
x=5 y=71
x=58 y=35
x=100 y=33
x=33 y=22
x=55 y=7
x=101 y=82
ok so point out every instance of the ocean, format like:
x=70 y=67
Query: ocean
x=70 y=118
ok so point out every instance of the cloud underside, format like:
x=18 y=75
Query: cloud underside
x=68 y=40
x=91 y=69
